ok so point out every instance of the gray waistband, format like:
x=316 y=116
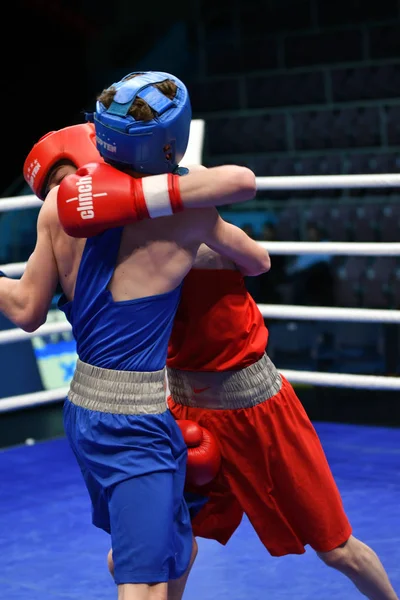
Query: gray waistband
x=226 y=390
x=118 y=392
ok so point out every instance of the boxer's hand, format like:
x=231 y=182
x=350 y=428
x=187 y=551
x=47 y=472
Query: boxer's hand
x=204 y=458
x=99 y=197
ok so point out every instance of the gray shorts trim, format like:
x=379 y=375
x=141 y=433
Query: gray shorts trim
x=225 y=390
x=118 y=392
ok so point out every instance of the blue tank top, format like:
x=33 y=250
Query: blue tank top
x=130 y=335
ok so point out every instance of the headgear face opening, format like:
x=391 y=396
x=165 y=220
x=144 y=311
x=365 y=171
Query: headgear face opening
x=148 y=147
x=76 y=144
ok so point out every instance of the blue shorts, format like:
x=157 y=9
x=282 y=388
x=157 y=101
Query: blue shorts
x=134 y=468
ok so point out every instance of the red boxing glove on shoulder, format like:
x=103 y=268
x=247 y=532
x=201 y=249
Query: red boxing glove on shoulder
x=99 y=197
x=204 y=458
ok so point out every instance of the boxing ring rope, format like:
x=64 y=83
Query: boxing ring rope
x=282 y=248
x=285 y=312
x=300 y=182
x=273 y=311
x=377 y=382
x=324 y=182
x=334 y=248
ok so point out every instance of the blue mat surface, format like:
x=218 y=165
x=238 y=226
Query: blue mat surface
x=49 y=549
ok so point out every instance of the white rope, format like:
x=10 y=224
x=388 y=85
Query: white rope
x=344 y=380
x=15 y=334
x=322 y=313
x=34 y=399
x=333 y=248
x=272 y=311
x=275 y=248
x=347 y=380
x=301 y=182
x=321 y=182
x=13 y=269
x=19 y=203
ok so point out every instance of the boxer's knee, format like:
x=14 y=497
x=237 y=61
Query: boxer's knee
x=347 y=558
x=110 y=563
x=195 y=550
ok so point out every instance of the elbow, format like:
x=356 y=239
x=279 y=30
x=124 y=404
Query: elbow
x=248 y=183
x=30 y=326
x=29 y=321
x=260 y=266
x=27 y=309
x=245 y=183
x=265 y=263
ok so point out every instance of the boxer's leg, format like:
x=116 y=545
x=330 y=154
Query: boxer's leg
x=305 y=495
x=110 y=563
x=141 y=510
x=176 y=587
x=359 y=563
x=150 y=528
x=135 y=591
x=182 y=522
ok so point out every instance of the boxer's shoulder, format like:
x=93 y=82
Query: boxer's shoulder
x=48 y=211
x=48 y=216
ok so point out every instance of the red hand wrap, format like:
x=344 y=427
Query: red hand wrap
x=175 y=193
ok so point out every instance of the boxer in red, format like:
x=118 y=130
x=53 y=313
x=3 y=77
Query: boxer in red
x=273 y=466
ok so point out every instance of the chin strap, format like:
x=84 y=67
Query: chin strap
x=180 y=171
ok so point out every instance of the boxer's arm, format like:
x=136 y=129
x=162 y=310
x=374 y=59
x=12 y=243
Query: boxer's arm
x=234 y=244
x=26 y=301
x=218 y=186
x=98 y=197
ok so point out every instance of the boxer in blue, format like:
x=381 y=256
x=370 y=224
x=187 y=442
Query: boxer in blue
x=121 y=291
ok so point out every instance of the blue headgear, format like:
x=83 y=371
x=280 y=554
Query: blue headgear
x=150 y=147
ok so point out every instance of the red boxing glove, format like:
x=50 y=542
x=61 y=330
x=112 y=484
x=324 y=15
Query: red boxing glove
x=99 y=197
x=204 y=458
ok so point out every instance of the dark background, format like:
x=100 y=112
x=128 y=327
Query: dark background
x=289 y=86
x=58 y=54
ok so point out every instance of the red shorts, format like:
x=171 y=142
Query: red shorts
x=275 y=471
